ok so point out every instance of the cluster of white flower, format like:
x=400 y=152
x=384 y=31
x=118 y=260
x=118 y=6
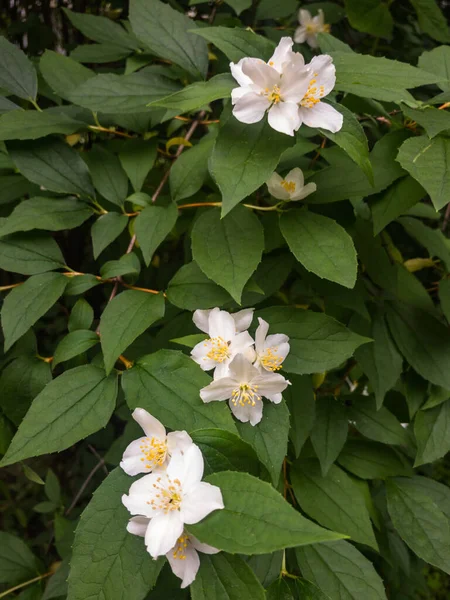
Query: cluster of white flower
x=287 y=88
x=244 y=369
x=170 y=495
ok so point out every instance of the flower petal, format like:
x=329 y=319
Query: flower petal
x=199 y=355
x=139 y=494
x=322 y=115
x=138 y=525
x=221 y=370
x=239 y=92
x=240 y=343
x=275 y=398
x=201 y=320
x=275 y=339
x=296 y=176
x=242 y=370
x=260 y=73
x=283 y=117
x=304 y=17
x=270 y=383
x=201 y=500
x=275 y=188
x=163 y=532
x=151 y=426
x=250 y=108
x=309 y=188
x=133 y=461
x=311 y=40
x=326 y=72
x=247 y=412
x=282 y=54
x=236 y=71
x=295 y=81
x=220 y=389
x=221 y=324
x=178 y=440
x=187 y=467
x=243 y=319
x=185 y=568
x=300 y=34
x=205 y=548
x=260 y=335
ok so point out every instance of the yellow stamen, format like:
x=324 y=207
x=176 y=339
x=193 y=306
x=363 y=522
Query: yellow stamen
x=219 y=351
x=245 y=394
x=270 y=360
x=289 y=186
x=313 y=94
x=154 y=451
x=179 y=551
x=169 y=495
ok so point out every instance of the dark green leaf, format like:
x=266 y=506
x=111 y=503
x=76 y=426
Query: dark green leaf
x=108 y=176
x=191 y=289
x=17 y=562
x=379 y=425
x=372 y=460
x=105 y=230
x=30 y=124
x=238 y=43
x=30 y=253
x=17 y=74
x=137 y=157
x=152 y=227
x=101 y=29
x=73 y=344
x=302 y=407
x=431 y=19
x=370 y=16
x=329 y=432
x=62 y=73
x=432 y=431
x=189 y=172
x=81 y=316
x=395 y=201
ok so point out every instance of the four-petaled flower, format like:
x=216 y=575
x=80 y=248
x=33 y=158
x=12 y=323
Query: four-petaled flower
x=310 y=27
x=245 y=387
x=153 y=451
x=171 y=498
x=291 y=187
x=271 y=350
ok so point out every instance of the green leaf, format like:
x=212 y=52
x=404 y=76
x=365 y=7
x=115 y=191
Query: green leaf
x=167 y=384
x=101 y=29
x=428 y=161
x=52 y=487
x=17 y=562
x=168 y=34
x=340 y=571
x=6 y=105
x=279 y=590
x=256 y=519
x=309 y=590
x=225 y=451
x=333 y=500
x=128 y=264
x=191 y=289
x=57 y=583
x=80 y=284
x=71 y=407
x=214 y=577
x=108 y=176
x=198 y=94
x=62 y=73
x=228 y=250
x=269 y=438
x=25 y=304
x=318 y=342
x=432 y=431
x=105 y=230
x=379 y=425
x=122 y=94
x=302 y=407
x=372 y=460
x=244 y=157
x=30 y=124
x=321 y=245
x=329 y=432
x=239 y=5
x=13 y=187
x=125 y=318
x=152 y=227
x=420 y=523
x=52 y=164
x=74 y=344
x=423 y=341
x=370 y=16
x=437 y=61
x=99 y=53
x=444 y=297
x=190 y=170
x=137 y=157
x=438 y=492
x=431 y=19
x=81 y=316
x=415 y=391
x=17 y=74
x=432 y=239
x=30 y=254
x=107 y=561
x=328 y=43
x=267 y=9
x=20 y=382
x=396 y=200
x=433 y=120
x=267 y=567
x=51 y=214
x=237 y=43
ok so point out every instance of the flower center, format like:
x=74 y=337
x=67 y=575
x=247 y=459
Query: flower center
x=273 y=95
x=289 y=186
x=219 y=351
x=245 y=394
x=270 y=360
x=313 y=94
x=179 y=551
x=168 y=495
x=154 y=452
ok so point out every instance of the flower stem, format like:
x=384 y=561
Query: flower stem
x=25 y=583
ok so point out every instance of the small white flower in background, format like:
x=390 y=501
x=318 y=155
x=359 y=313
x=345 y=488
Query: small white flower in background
x=153 y=451
x=291 y=187
x=310 y=27
x=242 y=319
x=276 y=86
x=172 y=498
x=244 y=387
x=271 y=350
x=183 y=557
x=224 y=342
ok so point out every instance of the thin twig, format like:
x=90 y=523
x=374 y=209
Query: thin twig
x=446 y=218
x=25 y=583
x=93 y=471
x=97 y=455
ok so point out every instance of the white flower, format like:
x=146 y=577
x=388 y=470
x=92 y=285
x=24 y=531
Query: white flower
x=224 y=342
x=277 y=86
x=292 y=187
x=242 y=319
x=311 y=110
x=153 y=451
x=271 y=350
x=310 y=27
x=172 y=498
x=183 y=557
x=244 y=388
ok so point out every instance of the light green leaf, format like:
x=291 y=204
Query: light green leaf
x=370 y=16
x=228 y=250
x=437 y=61
x=71 y=407
x=396 y=200
x=137 y=157
x=329 y=431
x=52 y=164
x=249 y=527
x=105 y=230
x=168 y=34
x=432 y=431
x=215 y=574
x=318 y=342
x=126 y=317
x=108 y=176
x=420 y=523
x=62 y=73
x=379 y=425
x=30 y=124
x=191 y=289
x=30 y=253
x=372 y=460
x=189 y=341
x=101 y=29
x=25 y=304
x=433 y=120
x=152 y=227
x=333 y=501
x=431 y=19
x=81 y=316
x=237 y=43
x=432 y=239
x=74 y=344
x=244 y=157
x=428 y=161
x=17 y=74
x=6 y=105
x=328 y=43
x=107 y=561
x=17 y=562
x=302 y=407
x=340 y=571
x=167 y=384
x=321 y=245
x=190 y=170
